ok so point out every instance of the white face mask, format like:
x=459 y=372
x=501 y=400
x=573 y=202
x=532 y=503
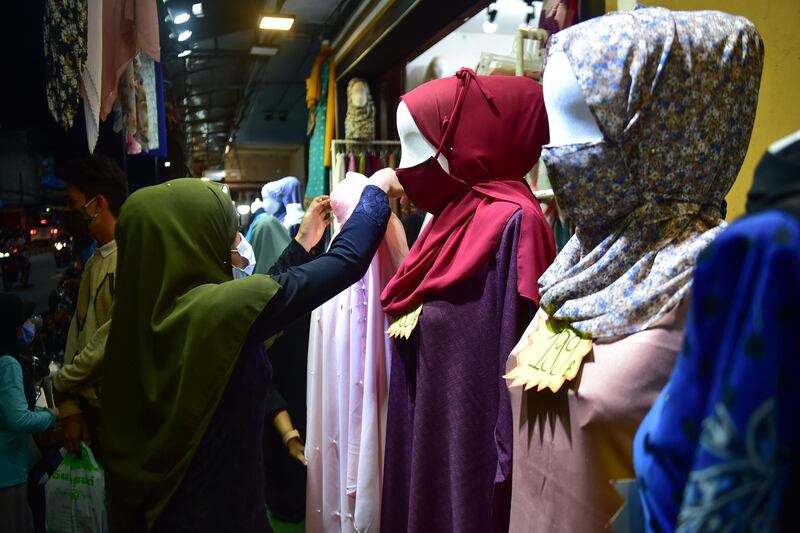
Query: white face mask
x=246 y=251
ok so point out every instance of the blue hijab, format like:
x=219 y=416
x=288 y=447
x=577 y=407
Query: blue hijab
x=276 y=195
x=719 y=449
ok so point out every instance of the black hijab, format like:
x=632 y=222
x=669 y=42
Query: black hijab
x=776 y=184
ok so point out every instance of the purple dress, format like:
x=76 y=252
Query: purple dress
x=449 y=436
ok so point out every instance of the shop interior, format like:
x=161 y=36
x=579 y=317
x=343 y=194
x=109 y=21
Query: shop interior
x=497 y=266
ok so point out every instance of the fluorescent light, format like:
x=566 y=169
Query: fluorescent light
x=264 y=50
x=185 y=53
x=167 y=164
x=185 y=34
x=243 y=209
x=276 y=22
x=181 y=18
x=197 y=9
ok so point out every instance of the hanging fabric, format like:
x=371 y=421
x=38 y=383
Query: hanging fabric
x=320 y=92
x=128 y=26
x=65 y=36
x=93 y=72
x=348 y=366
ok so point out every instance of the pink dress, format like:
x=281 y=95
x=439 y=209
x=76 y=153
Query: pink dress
x=569 y=446
x=348 y=388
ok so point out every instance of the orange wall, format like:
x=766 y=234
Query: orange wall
x=778 y=113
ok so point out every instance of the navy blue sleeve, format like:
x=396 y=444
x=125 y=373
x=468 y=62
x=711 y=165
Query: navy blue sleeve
x=306 y=287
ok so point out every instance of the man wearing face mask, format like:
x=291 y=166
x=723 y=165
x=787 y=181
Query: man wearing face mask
x=96 y=190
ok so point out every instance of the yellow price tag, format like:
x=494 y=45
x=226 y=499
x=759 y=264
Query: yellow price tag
x=553 y=356
x=404 y=326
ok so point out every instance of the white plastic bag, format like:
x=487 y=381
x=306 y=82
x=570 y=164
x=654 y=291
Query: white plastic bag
x=76 y=496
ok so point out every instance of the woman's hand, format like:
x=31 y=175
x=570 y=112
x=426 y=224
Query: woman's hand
x=297 y=450
x=314 y=222
x=387 y=180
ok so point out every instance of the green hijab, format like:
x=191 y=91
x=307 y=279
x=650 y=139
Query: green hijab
x=179 y=324
x=269 y=239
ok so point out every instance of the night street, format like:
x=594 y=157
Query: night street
x=44 y=278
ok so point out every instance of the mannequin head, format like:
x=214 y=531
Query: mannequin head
x=414 y=147
x=571 y=121
x=358 y=93
x=437 y=68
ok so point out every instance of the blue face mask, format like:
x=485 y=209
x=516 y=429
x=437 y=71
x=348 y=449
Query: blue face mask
x=27 y=333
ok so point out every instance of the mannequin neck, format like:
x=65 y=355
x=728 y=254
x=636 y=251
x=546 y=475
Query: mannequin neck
x=414 y=147
x=571 y=121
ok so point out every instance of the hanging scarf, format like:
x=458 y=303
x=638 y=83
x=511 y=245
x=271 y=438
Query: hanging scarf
x=490 y=129
x=65 y=35
x=675 y=95
x=178 y=327
x=359 y=121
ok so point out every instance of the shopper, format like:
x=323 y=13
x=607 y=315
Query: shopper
x=96 y=190
x=186 y=383
x=18 y=418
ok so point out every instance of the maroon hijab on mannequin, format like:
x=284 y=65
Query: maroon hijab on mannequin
x=491 y=130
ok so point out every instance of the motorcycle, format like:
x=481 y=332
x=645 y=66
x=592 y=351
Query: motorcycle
x=15 y=266
x=62 y=253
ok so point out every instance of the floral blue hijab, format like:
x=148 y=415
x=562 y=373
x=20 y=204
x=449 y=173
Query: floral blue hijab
x=674 y=94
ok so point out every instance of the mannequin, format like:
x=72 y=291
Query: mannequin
x=414 y=147
x=624 y=279
x=470 y=279
x=568 y=114
x=359 y=121
x=436 y=69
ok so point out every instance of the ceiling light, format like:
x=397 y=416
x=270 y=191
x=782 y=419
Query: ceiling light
x=276 y=22
x=264 y=50
x=185 y=53
x=185 y=34
x=167 y=164
x=197 y=10
x=182 y=18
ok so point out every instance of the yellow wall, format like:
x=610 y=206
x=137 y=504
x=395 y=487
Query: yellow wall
x=779 y=99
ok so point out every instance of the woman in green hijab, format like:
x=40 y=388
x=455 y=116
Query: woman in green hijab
x=186 y=379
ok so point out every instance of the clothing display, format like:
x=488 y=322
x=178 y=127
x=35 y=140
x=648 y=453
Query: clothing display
x=624 y=279
x=641 y=226
x=347 y=157
x=569 y=445
x=717 y=449
x=282 y=192
x=92 y=74
x=128 y=27
x=65 y=36
x=474 y=270
x=349 y=357
x=472 y=204
x=359 y=121
x=170 y=458
x=321 y=103
x=516 y=299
